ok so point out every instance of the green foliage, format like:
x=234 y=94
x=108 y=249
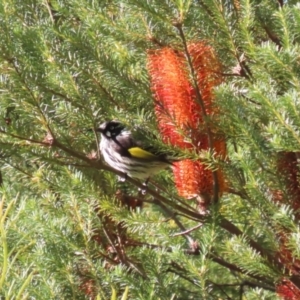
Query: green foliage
x=66 y=230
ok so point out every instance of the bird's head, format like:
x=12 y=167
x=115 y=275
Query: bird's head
x=111 y=129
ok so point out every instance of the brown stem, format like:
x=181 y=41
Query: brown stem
x=25 y=138
x=271 y=259
x=235 y=268
x=188 y=230
x=267 y=284
x=63 y=96
x=225 y=224
x=275 y=39
x=206 y=8
x=281 y=3
x=245 y=283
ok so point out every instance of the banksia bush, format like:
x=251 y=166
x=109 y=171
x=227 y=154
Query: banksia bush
x=180 y=114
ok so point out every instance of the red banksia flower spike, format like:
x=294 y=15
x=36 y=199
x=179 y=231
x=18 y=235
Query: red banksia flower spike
x=172 y=91
x=180 y=117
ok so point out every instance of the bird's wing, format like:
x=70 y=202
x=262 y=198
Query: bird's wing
x=138 y=152
x=123 y=142
x=128 y=146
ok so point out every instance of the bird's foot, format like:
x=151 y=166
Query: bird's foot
x=122 y=178
x=143 y=190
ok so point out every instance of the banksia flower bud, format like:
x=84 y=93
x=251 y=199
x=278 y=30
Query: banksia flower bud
x=180 y=116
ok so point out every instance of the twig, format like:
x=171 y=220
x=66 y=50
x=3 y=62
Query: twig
x=117 y=251
x=275 y=39
x=249 y=283
x=181 y=275
x=235 y=268
x=61 y=95
x=50 y=11
x=281 y=3
x=188 y=230
x=24 y=138
x=173 y=216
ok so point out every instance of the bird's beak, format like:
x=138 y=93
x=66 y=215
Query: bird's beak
x=101 y=127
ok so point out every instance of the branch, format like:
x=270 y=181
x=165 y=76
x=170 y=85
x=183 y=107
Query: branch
x=280 y=2
x=63 y=96
x=272 y=36
x=101 y=166
x=24 y=138
x=271 y=259
x=162 y=202
x=235 y=268
x=267 y=284
x=188 y=231
x=245 y=283
x=230 y=227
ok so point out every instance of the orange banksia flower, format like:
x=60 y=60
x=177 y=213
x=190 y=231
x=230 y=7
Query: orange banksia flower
x=208 y=69
x=179 y=114
x=174 y=105
x=192 y=178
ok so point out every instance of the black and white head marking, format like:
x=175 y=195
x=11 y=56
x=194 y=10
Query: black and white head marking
x=111 y=129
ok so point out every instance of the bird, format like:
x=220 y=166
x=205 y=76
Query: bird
x=123 y=152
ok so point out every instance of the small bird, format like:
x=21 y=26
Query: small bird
x=122 y=152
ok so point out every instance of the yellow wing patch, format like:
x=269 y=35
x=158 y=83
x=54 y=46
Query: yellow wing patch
x=141 y=153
